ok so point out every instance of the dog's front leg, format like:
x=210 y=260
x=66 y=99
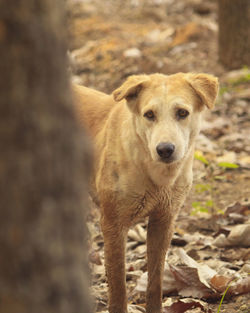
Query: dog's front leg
x=114 y=249
x=159 y=235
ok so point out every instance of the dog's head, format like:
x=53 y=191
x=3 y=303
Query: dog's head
x=167 y=110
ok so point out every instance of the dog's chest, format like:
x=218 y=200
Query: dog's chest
x=143 y=204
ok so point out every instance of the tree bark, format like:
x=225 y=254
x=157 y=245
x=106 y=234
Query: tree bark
x=234 y=33
x=43 y=166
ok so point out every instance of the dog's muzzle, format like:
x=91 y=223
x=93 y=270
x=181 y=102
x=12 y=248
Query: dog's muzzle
x=165 y=150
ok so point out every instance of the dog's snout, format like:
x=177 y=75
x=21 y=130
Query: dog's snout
x=165 y=150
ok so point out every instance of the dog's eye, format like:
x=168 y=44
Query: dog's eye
x=149 y=115
x=182 y=113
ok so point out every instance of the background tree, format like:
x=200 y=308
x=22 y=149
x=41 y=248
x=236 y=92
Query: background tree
x=234 y=33
x=42 y=164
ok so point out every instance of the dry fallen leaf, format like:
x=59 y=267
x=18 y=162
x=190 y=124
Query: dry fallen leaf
x=205 y=273
x=241 y=286
x=181 y=306
x=220 y=282
x=190 y=285
x=239 y=236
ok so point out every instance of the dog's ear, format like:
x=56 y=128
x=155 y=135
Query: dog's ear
x=130 y=90
x=205 y=86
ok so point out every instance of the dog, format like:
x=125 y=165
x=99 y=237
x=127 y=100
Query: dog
x=144 y=136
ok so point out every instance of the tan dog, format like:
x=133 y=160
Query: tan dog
x=144 y=144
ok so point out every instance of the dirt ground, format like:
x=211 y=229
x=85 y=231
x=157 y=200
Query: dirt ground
x=110 y=40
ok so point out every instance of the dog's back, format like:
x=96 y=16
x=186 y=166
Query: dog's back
x=92 y=108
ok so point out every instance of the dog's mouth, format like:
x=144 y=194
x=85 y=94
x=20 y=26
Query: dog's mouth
x=167 y=160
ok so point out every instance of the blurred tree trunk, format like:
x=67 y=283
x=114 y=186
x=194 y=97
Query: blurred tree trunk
x=234 y=33
x=43 y=162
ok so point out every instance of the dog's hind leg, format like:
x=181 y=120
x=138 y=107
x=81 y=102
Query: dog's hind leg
x=160 y=227
x=114 y=250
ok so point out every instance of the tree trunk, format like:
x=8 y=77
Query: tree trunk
x=43 y=164
x=234 y=33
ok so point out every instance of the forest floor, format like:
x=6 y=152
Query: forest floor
x=110 y=40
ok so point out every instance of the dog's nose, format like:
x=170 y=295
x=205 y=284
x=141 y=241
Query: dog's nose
x=165 y=149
